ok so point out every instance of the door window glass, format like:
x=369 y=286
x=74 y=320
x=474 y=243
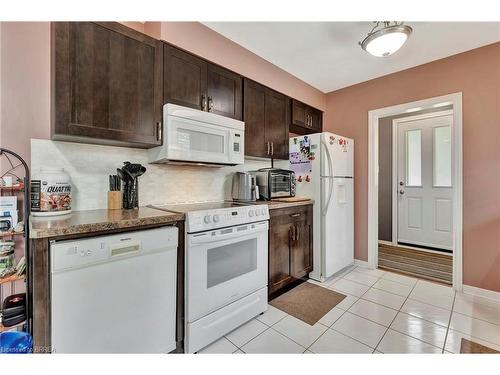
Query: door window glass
x=227 y=262
x=414 y=157
x=442 y=156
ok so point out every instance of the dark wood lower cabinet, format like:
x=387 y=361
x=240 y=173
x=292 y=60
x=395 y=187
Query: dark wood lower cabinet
x=290 y=247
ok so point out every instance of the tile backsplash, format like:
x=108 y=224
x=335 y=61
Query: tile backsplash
x=90 y=165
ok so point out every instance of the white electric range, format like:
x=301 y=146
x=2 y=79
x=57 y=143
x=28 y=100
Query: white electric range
x=226 y=267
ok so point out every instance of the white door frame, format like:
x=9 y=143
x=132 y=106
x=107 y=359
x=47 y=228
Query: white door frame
x=395 y=161
x=455 y=100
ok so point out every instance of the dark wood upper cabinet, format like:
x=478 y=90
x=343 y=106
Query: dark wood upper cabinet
x=196 y=83
x=305 y=119
x=290 y=247
x=254 y=103
x=224 y=92
x=106 y=84
x=266 y=116
x=185 y=78
x=277 y=120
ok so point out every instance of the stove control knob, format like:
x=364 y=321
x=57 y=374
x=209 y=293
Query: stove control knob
x=257 y=212
x=216 y=218
x=206 y=219
x=263 y=211
x=250 y=213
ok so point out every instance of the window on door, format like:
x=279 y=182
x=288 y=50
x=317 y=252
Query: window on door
x=414 y=158
x=442 y=156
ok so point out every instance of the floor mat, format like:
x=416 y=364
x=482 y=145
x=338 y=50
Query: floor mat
x=471 y=347
x=308 y=302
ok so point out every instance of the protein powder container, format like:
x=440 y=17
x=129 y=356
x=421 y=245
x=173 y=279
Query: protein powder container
x=50 y=192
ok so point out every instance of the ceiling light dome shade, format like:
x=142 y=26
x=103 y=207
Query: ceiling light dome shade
x=386 y=41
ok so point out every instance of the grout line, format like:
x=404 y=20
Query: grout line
x=279 y=320
x=449 y=322
x=239 y=347
x=289 y=338
x=395 y=317
x=330 y=327
x=227 y=338
x=473 y=317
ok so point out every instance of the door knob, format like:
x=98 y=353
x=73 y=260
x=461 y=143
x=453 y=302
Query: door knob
x=401 y=192
x=401 y=183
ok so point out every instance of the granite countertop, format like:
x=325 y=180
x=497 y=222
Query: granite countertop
x=273 y=204
x=97 y=221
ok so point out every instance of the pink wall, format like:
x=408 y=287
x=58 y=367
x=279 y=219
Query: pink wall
x=476 y=74
x=203 y=41
x=25 y=89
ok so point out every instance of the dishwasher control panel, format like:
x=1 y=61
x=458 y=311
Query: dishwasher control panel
x=79 y=253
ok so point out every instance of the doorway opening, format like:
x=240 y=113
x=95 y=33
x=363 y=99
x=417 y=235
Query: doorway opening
x=415 y=189
x=415 y=193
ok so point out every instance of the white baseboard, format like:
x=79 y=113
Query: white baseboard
x=362 y=263
x=490 y=294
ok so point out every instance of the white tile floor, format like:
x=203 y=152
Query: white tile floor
x=383 y=313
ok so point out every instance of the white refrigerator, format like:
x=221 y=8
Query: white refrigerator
x=323 y=166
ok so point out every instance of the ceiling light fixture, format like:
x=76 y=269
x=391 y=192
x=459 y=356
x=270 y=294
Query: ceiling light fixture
x=385 y=38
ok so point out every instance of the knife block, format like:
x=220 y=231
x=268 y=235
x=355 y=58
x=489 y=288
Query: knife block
x=115 y=200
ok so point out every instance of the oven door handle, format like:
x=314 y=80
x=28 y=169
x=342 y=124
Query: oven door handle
x=207 y=237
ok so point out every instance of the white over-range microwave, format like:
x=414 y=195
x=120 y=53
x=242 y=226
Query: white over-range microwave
x=191 y=136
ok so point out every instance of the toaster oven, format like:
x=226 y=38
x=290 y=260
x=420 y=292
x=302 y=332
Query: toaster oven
x=275 y=183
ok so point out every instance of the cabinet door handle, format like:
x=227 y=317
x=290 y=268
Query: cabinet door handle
x=158 y=131
x=290 y=234
x=203 y=102
x=210 y=104
x=272 y=148
x=268 y=152
x=295 y=215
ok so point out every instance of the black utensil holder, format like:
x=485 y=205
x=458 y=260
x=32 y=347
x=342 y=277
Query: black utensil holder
x=131 y=194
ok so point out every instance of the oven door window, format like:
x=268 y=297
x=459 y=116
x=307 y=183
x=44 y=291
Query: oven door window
x=230 y=261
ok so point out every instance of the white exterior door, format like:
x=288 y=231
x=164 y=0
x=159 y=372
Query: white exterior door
x=424 y=175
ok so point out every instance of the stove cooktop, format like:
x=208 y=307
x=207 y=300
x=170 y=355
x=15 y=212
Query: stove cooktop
x=183 y=208
x=212 y=215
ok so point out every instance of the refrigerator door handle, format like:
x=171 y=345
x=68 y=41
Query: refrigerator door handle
x=324 y=149
x=328 y=158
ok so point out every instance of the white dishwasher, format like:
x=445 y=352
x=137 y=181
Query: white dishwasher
x=115 y=294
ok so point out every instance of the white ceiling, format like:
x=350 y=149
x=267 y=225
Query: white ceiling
x=327 y=55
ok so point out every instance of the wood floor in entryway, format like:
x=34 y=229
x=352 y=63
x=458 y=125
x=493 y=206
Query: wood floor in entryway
x=417 y=263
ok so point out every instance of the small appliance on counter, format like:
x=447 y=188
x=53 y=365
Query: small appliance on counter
x=130 y=174
x=275 y=183
x=244 y=187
